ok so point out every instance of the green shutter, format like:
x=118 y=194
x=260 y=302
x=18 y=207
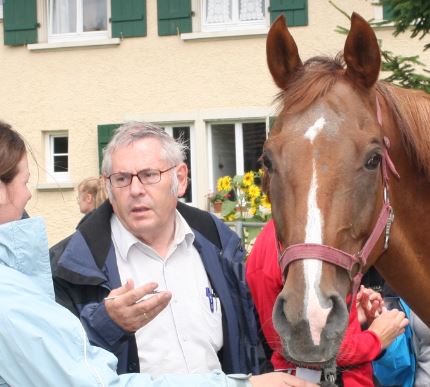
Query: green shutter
x=295 y=11
x=19 y=22
x=174 y=16
x=104 y=133
x=128 y=18
x=387 y=12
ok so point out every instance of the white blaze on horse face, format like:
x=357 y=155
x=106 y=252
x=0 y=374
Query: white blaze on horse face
x=315 y=312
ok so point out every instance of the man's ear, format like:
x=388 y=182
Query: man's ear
x=3 y=193
x=182 y=174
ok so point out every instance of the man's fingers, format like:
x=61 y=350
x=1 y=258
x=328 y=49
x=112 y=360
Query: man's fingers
x=129 y=285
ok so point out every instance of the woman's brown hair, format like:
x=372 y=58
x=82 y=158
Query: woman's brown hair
x=12 y=149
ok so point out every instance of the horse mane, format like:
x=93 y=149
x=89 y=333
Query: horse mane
x=310 y=82
x=411 y=111
x=410 y=108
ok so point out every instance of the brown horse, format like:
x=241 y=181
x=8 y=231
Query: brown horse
x=333 y=188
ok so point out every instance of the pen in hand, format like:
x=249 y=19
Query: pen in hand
x=145 y=297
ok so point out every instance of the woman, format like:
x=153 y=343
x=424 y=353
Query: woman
x=91 y=193
x=42 y=343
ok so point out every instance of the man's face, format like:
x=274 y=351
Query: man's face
x=146 y=210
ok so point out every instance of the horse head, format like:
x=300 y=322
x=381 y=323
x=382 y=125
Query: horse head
x=324 y=161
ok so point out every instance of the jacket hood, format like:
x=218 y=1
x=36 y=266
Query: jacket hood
x=24 y=247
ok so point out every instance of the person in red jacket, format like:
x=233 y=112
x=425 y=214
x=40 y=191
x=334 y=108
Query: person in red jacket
x=358 y=348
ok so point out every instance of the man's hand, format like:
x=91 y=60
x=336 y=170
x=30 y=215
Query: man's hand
x=128 y=309
x=389 y=325
x=369 y=305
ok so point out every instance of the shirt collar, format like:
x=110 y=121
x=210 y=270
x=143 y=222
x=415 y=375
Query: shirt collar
x=124 y=240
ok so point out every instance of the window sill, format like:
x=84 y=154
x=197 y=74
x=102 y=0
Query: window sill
x=224 y=34
x=66 y=45
x=58 y=186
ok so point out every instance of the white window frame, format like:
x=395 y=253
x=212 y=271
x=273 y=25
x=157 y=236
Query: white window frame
x=80 y=35
x=238 y=138
x=235 y=25
x=49 y=157
x=169 y=130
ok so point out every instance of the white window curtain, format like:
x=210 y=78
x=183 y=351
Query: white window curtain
x=218 y=11
x=251 y=10
x=63 y=14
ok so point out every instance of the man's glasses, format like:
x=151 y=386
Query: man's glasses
x=145 y=176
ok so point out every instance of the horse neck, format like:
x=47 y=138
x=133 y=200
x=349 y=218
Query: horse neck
x=406 y=264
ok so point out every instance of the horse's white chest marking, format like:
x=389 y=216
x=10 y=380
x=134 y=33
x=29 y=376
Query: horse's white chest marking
x=316 y=314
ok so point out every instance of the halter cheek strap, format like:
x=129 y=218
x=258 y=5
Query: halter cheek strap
x=341 y=258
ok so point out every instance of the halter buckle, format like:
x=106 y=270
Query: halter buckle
x=388 y=228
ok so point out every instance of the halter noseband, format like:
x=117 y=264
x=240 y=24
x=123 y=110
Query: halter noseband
x=341 y=258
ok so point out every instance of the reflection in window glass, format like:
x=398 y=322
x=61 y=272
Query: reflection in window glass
x=225 y=160
x=254 y=135
x=60 y=156
x=94 y=15
x=223 y=151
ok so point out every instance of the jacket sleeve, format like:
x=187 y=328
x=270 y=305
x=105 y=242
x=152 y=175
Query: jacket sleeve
x=101 y=329
x=43 y=344
x=357 y=346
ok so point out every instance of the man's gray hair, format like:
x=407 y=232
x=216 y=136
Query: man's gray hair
x=172 y=150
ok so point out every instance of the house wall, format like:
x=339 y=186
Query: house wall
x=160 y=79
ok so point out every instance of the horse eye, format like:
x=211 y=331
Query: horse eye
x=373 y=161
x=267 y=163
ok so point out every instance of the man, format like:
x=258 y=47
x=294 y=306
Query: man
x=202 y=317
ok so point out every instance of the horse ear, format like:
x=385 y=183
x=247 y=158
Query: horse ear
x=361 y=52
x=282 y=54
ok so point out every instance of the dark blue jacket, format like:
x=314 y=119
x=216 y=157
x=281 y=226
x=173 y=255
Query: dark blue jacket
x=85 y=270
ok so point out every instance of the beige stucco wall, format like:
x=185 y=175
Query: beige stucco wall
x=161 y=79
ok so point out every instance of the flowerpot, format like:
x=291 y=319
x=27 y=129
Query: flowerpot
x=217 y=206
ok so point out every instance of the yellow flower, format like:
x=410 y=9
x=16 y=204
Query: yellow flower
x=248 y=179
x=230 y=217
x=254 y=191
x=252 y=211
x=265 y=201
x=224 y=183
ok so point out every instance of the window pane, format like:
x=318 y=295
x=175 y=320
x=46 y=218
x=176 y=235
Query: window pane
x=63 y=16
x=61 y=163
x=254 y=135
x=94 y=15
x=61 y=145
x=184 y=133
x=218 y=11
x=223 y=151
x=251 y=10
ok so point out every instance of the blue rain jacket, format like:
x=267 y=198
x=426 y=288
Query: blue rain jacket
x=42 y=343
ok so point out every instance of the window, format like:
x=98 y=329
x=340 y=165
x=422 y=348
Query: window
x=382 y=12
x=220 y=15
x=1 y=9
x=77 y=20
x=235 y=148
x=184 y=133
x=57 y=156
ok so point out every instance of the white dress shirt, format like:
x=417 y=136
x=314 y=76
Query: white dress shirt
x=186 y=336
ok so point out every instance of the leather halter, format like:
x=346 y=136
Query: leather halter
x=341 y=258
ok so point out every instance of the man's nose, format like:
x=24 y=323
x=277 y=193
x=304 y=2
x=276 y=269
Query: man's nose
x=136 y=187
